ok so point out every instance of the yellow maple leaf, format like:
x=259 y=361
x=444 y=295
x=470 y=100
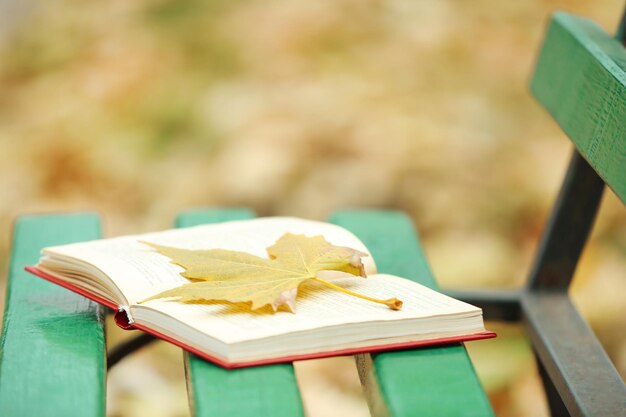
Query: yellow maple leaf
x=219 y=274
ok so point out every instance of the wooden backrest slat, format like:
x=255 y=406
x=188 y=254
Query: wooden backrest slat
x=580 y=78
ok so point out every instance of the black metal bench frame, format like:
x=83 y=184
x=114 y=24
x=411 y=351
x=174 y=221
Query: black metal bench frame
x=578 y=376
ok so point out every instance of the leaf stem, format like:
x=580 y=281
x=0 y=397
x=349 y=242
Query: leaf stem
x=392 y=303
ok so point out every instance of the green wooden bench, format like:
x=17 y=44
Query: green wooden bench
x=52 y=350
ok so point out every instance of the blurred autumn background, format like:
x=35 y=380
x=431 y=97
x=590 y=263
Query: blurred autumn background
x=141 y=109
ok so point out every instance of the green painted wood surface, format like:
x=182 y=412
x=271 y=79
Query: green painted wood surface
x=437 y=381
x=52 y=347
x=580 y=78
x=258 y=392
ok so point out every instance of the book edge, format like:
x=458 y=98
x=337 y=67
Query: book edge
x=38 y=272
x=318 y=355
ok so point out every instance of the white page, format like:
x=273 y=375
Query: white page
x=316 y=306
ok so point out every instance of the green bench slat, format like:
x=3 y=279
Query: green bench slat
x=52 y=349
x=437 y=381
x=580 y=78
x=260 y=391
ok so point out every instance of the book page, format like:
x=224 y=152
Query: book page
x=317 y=306
x=140 y=272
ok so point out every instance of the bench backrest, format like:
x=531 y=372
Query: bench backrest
x=580 y=78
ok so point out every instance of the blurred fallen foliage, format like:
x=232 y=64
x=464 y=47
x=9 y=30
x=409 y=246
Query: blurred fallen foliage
x=142 y=109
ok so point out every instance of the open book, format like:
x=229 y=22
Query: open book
x=121 y=272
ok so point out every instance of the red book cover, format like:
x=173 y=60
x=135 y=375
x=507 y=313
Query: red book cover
x=121 y=319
